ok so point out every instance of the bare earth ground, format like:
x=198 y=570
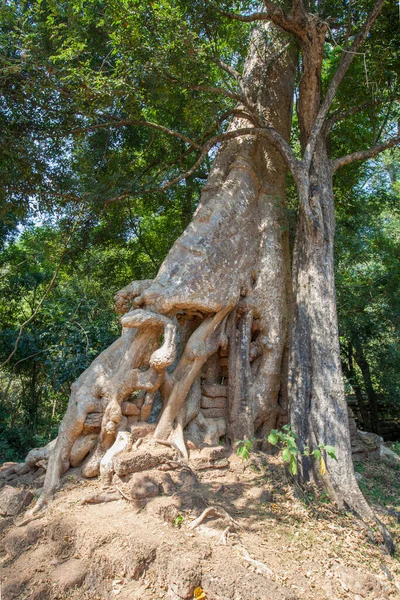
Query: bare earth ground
x=287 y=545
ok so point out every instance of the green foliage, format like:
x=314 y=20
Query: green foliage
x=178 y=521
x=244 y=448
x=396 y=448
x=286 y=440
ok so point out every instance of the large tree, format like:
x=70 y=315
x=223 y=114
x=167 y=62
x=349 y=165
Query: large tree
x=222 y=295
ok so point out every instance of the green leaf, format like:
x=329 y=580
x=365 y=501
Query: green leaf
x=330 y=450
x=273 y=438
x=293 y=465
x=286 y=455
x=316 y=453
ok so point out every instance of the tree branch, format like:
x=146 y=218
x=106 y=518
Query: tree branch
x=138 y=123
x=341 y=116
x=364 y=154
x=269 y=132
x=344 y=64
x=273 y=13
x=215 y=90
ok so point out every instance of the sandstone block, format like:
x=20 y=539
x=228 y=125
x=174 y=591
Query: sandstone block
x=214 y=390
x=215 y=428
x=141 y=460
x=145 y=411
x=143 y=487
x=13 y=500
x=141 y=429
x=219 y=402
x=92 y=423
x=203 y=462
x=130 y=409
x=214 y=452
x=214 y=413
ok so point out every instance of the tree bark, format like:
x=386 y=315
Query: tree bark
x=318 y=409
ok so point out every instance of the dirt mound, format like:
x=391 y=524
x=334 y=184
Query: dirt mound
x=261 y=542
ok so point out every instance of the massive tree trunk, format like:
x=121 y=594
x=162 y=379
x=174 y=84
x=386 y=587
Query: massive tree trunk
x=219 y=303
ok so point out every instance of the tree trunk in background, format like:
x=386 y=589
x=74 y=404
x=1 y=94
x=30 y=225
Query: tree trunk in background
x=351 y=375
x=366 y=373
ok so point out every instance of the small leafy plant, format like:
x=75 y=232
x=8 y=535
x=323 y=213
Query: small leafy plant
x=396 y=447
x=177 y=522
x=286 y=440
x=244 y=448
x=318 y=454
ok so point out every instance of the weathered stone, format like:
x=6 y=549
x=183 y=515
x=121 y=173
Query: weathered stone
x=7 y=473
x=141 y=460
x=143 y=486
x=216 y=428
x=224 y=372
x=5 y=522
x=387 y=453
x=21 y=468
x=147 y=406
x=214 y=413
x=92 y=423
x=214 y=452
x=81 y=448
x=214 y=390
x=69 y=574
x=129 y=409
x=219 y=402
x=202 y=462
x=131 y=421
x=140 y=429
x=224 y=361
x=13 y=500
